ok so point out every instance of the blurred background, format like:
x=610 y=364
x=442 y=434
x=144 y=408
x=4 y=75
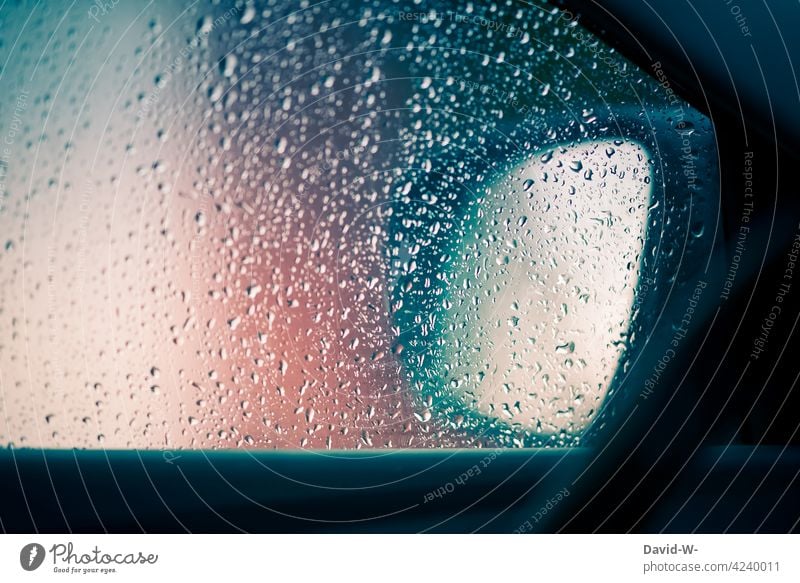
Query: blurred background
x=244 y=225
x=562 y=228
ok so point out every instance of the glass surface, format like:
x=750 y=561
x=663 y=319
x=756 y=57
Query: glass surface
x=330 y=225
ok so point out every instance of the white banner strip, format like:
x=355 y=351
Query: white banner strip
x=378 y=558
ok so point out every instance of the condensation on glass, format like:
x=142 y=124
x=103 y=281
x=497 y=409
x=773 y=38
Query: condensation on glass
x=327 y=225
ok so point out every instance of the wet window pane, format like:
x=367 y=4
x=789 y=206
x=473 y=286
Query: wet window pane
x=329 y=225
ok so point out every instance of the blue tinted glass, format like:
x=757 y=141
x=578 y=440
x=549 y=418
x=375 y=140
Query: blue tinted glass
x=331 y=225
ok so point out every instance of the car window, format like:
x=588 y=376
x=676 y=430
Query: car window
x=331 y=225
